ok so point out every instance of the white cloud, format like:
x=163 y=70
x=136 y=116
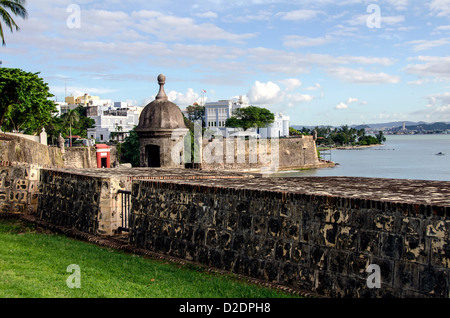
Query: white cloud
x=314 y=87
x=184 y=99
x=420 y=45
x=258 y=16
x=295 y=99
x=362 y=77
x=299 y=15
x=341 y=106
x=80 y=91
x=434 y=66
x=174 y=28
x=440 y=8
x=385 y=20
x=271 y=94
x=296 y=41
x=437 y=109
x=345 y=105
x=291 y=83
x=400 y=5
x=207 y=15
x=264 y=93
x=440 y=99
x=443 y=28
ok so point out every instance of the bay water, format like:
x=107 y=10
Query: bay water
x=400 y=157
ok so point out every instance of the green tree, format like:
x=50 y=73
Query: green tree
x=380 y=137
x=72 y=116
x=340 y=138
x=24 y=101
x=54 y=128
x=250 y=117
x=16 y=7
x=367 y=140
x=78 y=124
x=130 y=149
x=196 y=112
x=294 y=132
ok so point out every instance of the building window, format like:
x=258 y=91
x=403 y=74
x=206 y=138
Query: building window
x=101 y=137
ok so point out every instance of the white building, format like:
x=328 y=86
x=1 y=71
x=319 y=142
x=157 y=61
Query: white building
x=217 y=113
x=279 y=128
x=110 y=121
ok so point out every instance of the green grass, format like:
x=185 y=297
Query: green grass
x=33 y=264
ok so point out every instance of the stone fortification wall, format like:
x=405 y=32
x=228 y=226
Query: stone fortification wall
x=317 y=234
x=255 y=154
x=18 y=188
x=16 y=149
x=84 y=202
x=85 y=157
x=89 y=200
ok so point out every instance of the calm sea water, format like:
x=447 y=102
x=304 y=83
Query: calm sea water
x=401 y=157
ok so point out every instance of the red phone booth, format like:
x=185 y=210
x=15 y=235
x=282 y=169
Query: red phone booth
x=103 y=156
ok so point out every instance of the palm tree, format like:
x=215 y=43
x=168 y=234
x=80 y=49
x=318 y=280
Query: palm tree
x=17 y=8
x=72 y=115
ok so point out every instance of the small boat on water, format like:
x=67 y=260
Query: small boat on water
x=439 y=154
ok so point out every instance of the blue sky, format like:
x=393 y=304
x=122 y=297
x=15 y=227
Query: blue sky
x=321 y=62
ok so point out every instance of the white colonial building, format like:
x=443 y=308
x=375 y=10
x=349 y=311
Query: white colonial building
x=217 y=113
x=279 y=128
x=113 y=122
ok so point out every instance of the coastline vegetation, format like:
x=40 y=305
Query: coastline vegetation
x=343 y=136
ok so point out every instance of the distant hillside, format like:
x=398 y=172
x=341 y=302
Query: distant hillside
x=395 y=124
x=388 y=125
x=428 y=127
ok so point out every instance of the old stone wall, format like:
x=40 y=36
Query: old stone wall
x=16 y=149
x=83 y=202
x=22 y=150
x=318 y=241
x=18 y=188
x=255 y=154
x=317 y=234
x=84 y=157
x=298 y=152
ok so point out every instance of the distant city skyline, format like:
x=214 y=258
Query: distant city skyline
x=320 y=62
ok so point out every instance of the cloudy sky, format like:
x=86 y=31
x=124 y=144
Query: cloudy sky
x=321 y=62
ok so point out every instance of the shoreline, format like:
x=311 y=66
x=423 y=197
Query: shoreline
x=350 y=147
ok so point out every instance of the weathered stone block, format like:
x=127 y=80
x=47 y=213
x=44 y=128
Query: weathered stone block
x=433 y=281
x=274 y=227
x=416 y=249
x=392 y=245
x=300 y=253
x=406 y=276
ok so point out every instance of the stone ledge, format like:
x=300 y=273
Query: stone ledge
x=421 y=192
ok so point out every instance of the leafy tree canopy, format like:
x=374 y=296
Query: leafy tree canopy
x=16 y=7
x=24 y=101
x=195 y=112
x=129 y=149
x=250 y=117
